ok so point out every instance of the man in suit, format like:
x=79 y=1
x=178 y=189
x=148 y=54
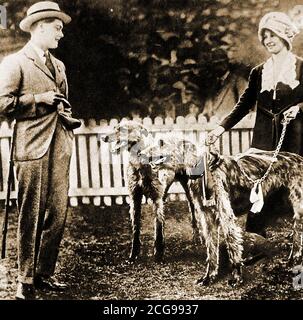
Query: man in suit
x=33 y=91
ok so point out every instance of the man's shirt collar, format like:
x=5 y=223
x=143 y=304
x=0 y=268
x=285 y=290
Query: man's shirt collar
x=39 y=51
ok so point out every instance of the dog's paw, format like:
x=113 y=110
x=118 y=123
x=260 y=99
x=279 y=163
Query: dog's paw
x=134 y=256
x=206 y=280
x=235 y=280
x=135 y=251
x=133 y=259
x=236 y=276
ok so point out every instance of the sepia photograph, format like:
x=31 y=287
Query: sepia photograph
x=151 y=150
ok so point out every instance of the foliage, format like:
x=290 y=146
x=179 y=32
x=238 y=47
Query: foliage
x=165 y=53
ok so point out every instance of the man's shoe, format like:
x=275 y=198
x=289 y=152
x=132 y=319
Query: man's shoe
x=25 y=292
x=50 y=284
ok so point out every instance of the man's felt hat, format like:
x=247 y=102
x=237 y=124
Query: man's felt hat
x=43 y=10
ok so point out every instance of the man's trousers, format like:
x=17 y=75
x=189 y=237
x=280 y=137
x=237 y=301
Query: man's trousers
x=42 y=202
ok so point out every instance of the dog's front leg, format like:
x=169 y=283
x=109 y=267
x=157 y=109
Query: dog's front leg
x=209 y=276
x=135 y=217
x=236 y=275
x=159 y=230
x=191 y=205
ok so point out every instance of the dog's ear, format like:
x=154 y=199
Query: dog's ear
x=214 y=158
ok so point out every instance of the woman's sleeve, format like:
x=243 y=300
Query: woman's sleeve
x=246 y=102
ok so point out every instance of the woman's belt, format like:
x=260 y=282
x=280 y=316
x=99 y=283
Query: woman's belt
x=276 y=122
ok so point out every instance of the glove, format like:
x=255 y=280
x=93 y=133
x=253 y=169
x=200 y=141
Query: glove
x=214 y=135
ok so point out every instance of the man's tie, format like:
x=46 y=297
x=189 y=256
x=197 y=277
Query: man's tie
x=49 y=64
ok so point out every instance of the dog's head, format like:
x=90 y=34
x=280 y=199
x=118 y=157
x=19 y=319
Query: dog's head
x=126 y=135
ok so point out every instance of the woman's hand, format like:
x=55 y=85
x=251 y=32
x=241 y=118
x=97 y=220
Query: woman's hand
x=291 y=112
x=214 y=135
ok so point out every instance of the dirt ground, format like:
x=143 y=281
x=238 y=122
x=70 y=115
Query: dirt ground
x=94 y=263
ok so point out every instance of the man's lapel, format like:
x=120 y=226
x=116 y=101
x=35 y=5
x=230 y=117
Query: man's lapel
x=59 y=74
x=31 y=54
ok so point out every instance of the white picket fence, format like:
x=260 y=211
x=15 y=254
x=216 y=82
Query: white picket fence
x=99 y=177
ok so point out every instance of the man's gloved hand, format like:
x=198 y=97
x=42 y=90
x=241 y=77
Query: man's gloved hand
x=50 y=98
x=214 y=135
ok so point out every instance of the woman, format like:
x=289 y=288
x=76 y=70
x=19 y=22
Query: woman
x=276 y=87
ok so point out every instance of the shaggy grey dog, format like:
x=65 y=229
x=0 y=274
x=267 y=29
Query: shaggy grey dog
x=227 y=196
x=146 y=177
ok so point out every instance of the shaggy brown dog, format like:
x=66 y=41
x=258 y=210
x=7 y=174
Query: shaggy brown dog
x=148 y=179
x=228 y=192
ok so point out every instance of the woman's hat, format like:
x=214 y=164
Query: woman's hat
x=43 y=10
x=279 y=23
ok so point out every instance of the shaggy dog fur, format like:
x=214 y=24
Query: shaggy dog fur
x=228 y=192
x=148 y=179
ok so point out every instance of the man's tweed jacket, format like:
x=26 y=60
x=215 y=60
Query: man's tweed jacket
x=22 y=75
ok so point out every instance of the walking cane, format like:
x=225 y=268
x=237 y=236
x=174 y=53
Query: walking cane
x=8 y=194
